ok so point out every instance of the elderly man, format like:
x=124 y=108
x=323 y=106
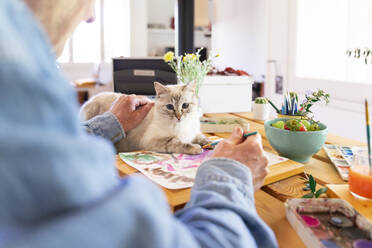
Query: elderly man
x=59 y=186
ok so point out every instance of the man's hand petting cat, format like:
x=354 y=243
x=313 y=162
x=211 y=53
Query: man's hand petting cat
x=131 y=110
x=246 y=151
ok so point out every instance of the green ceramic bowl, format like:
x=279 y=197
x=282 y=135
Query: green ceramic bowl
x=298 y=146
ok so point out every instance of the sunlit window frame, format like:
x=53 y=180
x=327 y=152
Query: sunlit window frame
x=81 y=70
x=101 y=35
x=346 y=95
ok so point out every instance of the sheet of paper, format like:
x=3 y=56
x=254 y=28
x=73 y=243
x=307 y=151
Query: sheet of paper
x=173 y=171
x=275 y=159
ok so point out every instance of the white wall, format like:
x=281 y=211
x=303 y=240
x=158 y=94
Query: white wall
x=343 y=121
x=240 y=35
x=138 y=24
x=277 y=49
x=161 y=11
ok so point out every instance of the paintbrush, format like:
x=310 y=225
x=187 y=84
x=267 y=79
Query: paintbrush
x=272 y=105
x=213 y=144
x=368 y=136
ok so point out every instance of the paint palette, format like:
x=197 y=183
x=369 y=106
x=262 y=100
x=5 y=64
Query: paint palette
x=341 y=157
x=328 y=223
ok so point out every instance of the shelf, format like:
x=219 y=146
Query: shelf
x=161 y=30
x=171 y=31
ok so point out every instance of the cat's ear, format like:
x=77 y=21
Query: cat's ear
x=191 y=86
x=160 y=89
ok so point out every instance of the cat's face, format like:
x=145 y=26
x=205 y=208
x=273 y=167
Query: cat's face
x=176 y=102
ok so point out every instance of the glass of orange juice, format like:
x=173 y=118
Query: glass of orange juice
x=360 y=176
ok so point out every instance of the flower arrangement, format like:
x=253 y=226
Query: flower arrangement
x=189 y=68
x=312 y=97
x=291 y=106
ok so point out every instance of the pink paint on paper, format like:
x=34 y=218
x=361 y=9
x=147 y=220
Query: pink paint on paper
x=191 y=166
x=170 y=167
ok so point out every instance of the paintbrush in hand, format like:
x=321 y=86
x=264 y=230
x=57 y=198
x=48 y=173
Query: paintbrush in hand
x=213 y=144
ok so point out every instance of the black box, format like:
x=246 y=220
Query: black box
x=137 y=75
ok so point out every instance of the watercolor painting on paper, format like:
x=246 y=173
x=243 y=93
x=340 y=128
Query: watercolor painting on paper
x=173 y=171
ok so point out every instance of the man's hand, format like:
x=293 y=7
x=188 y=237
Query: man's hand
x=246 y=151
x=131 y=110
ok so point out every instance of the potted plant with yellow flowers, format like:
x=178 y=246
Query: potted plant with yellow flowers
x=189 y=68
x=216 y=93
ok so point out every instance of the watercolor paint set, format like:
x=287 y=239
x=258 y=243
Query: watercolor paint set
x=323 y=223
x=341 y=157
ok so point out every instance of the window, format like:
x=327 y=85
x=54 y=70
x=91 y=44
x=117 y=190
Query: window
x=325 y=30
x=108 y=36
x=320 y=33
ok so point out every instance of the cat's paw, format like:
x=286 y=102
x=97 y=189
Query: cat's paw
x=204 y=141
x=201 y=140
x=193 y=149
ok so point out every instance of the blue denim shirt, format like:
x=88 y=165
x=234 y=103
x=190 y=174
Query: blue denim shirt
x=106 y=126
x=59 y=186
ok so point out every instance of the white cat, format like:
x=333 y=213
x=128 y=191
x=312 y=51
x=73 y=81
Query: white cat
x=172 y=125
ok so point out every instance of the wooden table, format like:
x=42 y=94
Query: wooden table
x=270 y=198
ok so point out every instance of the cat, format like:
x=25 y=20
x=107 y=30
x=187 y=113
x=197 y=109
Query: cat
x=171 y=126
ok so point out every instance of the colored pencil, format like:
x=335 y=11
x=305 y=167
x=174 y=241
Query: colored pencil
x=213 y=144
x=246 y=135
x=293 y=104
x=368 y=135
x=286 y=103
x=290 y=104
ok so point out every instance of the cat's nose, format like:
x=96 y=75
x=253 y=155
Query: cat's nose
x=178 y=115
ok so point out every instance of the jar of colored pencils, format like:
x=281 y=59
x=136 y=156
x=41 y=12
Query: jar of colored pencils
x=360 y=176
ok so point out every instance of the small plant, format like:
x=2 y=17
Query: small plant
x=357 y=53
x=189 y=67
x=312 y=186
x=261 y=100
x=312 y=97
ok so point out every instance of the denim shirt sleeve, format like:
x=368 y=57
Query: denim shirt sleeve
x=220 y=214
x=106 y=126
x=222 y=205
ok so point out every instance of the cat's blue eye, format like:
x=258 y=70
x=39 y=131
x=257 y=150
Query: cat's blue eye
x=170 y=106
x=185 y=105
